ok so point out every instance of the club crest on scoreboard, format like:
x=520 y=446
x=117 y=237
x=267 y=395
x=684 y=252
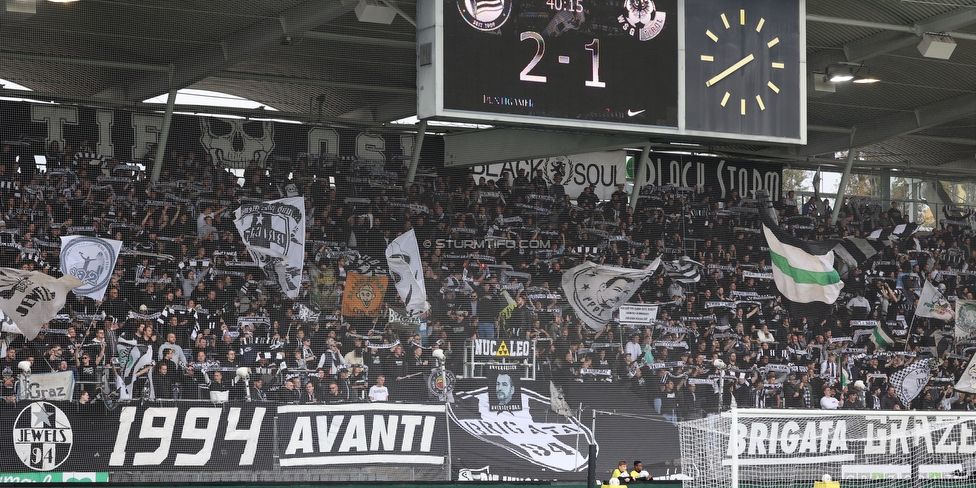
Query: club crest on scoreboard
x=485 y=15
x=642 y=19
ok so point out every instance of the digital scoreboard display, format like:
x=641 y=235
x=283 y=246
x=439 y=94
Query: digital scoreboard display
x=617 y=65
x=583 y=60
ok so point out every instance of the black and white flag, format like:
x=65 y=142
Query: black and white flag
x=852 y=252
x=596 y=291
x=91 y=260
x=274 y=233
x=30 y=298
x=900 y=231
x=683 y=270
x=403 y=259
x=136 y=360
x=910 y=381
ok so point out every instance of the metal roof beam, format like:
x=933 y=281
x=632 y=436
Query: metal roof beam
x=237 y=75
x=208 y=59
x=899 y=124
x=897 y=36
x=366 y=41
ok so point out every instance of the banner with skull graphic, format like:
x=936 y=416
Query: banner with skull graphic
x=363 y=295
x=274 y=234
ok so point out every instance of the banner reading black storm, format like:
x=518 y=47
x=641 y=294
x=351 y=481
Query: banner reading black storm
x=606 y=170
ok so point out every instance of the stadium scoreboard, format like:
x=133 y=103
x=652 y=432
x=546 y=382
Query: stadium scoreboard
x=727 y=69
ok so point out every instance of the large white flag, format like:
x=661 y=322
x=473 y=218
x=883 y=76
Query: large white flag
x=596 y=291
x=30 y=298
x=967 y=382
x=965 y=319
x=91 y=260
x=274 y=233
x=403 y=259
x=932 y=304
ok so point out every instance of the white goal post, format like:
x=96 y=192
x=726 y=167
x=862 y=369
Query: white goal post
x=785 y=448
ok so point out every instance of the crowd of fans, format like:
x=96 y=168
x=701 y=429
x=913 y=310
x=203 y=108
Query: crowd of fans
x=493 y=251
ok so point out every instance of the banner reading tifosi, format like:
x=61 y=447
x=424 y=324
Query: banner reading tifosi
x=362 y=433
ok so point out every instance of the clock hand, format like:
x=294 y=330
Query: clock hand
x=719 y=77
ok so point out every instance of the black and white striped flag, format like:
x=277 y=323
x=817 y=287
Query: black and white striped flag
x=683 y=270
x=900 y=231
x=851 y=252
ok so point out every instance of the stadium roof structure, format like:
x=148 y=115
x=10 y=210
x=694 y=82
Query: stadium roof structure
x=316 y=62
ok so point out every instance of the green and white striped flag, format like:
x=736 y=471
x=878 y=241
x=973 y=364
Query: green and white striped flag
x=803 y=270
x=881 y=337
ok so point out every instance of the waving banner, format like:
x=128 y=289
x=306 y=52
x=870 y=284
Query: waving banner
x=596 y=291
x=91 y=260
x=30 y=298
x=274 y=233
x=403 y=259
x=363 y=295
x=48 y=386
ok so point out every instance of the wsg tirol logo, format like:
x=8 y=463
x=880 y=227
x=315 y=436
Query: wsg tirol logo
x=42 y=436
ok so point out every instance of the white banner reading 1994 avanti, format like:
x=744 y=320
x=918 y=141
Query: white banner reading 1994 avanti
x=606 y=170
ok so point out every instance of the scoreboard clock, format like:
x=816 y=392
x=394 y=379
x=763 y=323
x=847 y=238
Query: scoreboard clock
x=635 y=66
x=742 y=74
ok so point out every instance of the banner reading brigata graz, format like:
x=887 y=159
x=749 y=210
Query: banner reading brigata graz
x=846 y=444
x=606 y=170
x=232 y=143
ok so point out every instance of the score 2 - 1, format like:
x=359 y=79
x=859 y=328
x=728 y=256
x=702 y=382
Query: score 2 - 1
x=540 y=49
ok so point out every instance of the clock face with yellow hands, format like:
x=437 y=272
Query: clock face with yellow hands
x=742 y=67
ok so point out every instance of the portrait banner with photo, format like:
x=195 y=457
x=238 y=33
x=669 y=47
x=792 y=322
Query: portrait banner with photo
x=506 y=396
x=596 y=291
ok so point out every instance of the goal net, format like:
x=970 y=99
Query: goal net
x=784 y=448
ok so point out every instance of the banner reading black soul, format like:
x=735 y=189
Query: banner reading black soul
x=717 y=176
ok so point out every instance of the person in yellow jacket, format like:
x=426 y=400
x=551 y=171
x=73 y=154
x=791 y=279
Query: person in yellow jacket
x=621 y=473
x=638 y=474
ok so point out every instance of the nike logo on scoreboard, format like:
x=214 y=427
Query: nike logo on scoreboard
x=631 y=113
